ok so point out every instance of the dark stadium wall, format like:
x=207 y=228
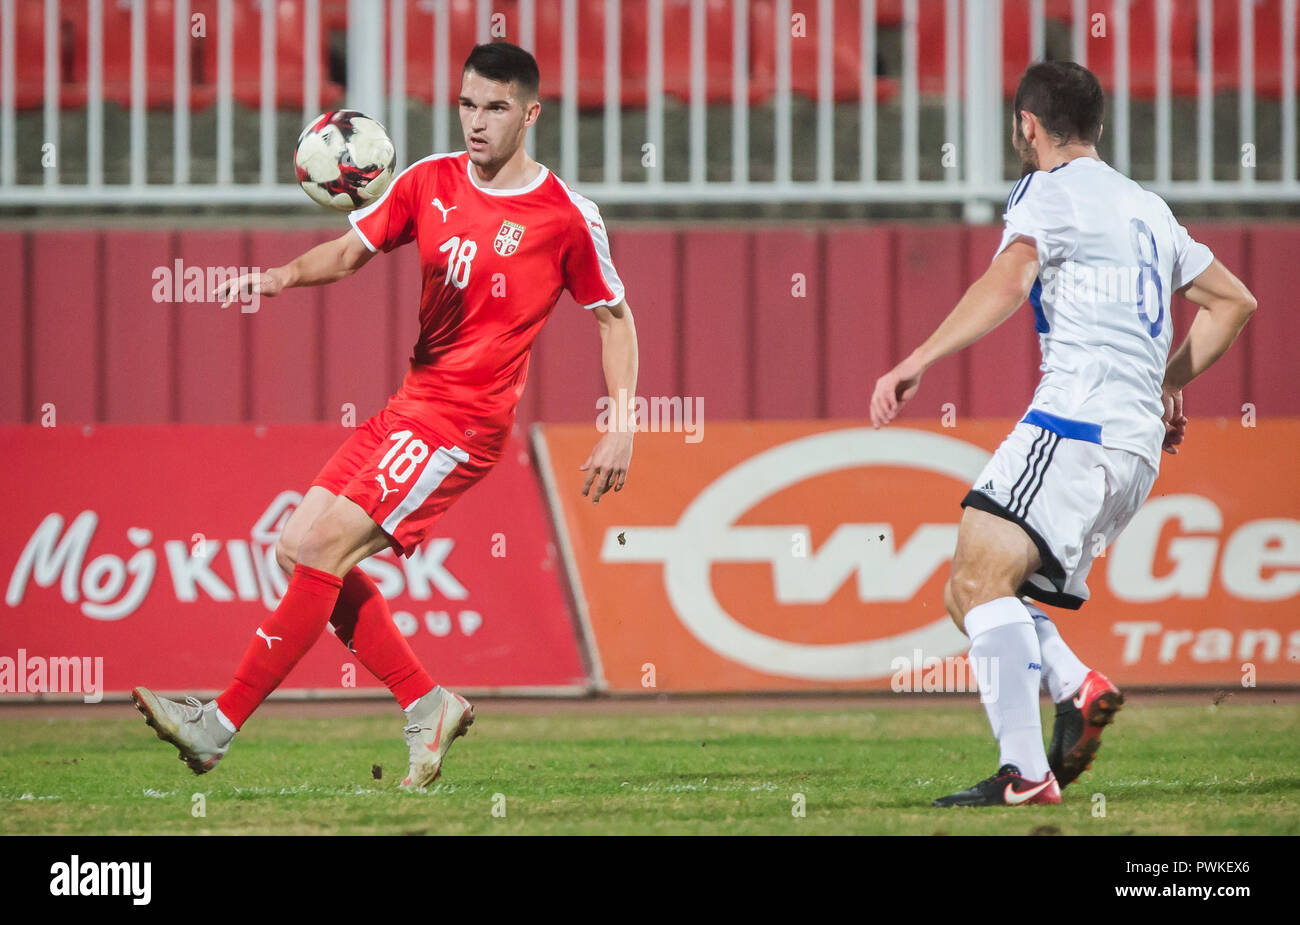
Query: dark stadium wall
x=770 y=323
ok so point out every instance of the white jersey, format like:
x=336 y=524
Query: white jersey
x=1110 y=256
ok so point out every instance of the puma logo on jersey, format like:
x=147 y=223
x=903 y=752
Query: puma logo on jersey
x=268 y=638
x=442 y=209
x=384 y=486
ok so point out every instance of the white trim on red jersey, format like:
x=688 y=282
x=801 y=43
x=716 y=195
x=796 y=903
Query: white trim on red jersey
x=440 y=465
x=357 y=215
x=600 y=240
x=514 y=191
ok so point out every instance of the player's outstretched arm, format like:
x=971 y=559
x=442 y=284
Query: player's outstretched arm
x=1226 y=305
x=324 y=263
x=990 y=300
x=608 y=463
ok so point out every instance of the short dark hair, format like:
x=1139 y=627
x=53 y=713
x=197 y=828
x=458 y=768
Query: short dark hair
x=505 y=63
x=1065 y=97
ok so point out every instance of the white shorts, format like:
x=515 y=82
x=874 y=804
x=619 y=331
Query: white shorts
x=1072 y=497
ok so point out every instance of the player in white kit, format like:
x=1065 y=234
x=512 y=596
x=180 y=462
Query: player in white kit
x=1098 y=257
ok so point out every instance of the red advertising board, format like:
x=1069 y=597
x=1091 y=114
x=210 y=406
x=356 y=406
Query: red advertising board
x=812 y=555
x=152 y=547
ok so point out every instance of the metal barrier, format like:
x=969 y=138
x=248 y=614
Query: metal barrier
x=967 y=93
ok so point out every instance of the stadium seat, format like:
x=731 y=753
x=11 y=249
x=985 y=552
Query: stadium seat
x=289 y=61
x=549 y=51
x=1267 y=44
x=845 y=48
x=29 y=55
x=462 y=22
x=74 y=50
x=1016 y=44
x=1141 y=46
x=718 y=51
x=160 y=54
x=931 y=47
x=160 y=49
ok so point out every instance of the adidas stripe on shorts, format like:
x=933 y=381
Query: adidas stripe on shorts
x=1072 y=497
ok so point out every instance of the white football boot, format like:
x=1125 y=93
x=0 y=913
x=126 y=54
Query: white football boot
x=434 y=721
x=193 y=728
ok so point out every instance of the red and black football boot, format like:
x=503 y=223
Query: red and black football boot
x=1076 y=735
x=1005 y=788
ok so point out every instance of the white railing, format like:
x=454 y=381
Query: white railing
x=973 y=106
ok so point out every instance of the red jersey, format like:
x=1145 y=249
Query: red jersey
x=493 y=263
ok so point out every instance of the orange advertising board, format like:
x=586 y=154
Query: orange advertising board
x=812 y=555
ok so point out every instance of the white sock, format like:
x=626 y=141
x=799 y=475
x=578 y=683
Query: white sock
x=1004 y=648
x=221 y=718
x=412 y=705
x=1063 y=673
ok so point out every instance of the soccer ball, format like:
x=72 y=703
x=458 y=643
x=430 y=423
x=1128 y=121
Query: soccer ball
x=344 y=160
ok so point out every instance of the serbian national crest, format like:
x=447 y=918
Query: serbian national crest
x=508 y=238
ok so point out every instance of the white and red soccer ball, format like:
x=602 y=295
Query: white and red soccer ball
x=344 y=160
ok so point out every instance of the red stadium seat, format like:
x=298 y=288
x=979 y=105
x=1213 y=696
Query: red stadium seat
x=549 y=51
x=845 y=49
x=289 y=60
x=74 y=54
x=160 y=54
x=334 y=15
x=931 y=48
x=1141 y=45
x=462 y=22
x=1016 y=44
x=718 y=51
x=634 y=52
x=889 y=12
x=160 y=48
x=1267 y=44
x=29 y=55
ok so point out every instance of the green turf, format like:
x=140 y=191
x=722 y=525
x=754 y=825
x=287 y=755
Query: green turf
x=1163 y=769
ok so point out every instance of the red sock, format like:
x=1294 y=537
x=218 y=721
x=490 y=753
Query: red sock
x=281 y=641
x=364 y=624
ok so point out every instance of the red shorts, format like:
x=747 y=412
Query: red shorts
x=402 y=474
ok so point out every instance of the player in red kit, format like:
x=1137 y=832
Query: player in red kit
x=500 y=237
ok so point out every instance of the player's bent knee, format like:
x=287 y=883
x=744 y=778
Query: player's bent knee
x=950 y=604
x=966 y=590
x=286 y=555
x=340 y=538
x=322 y=544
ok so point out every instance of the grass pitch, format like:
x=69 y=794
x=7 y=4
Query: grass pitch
x=868 y=769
